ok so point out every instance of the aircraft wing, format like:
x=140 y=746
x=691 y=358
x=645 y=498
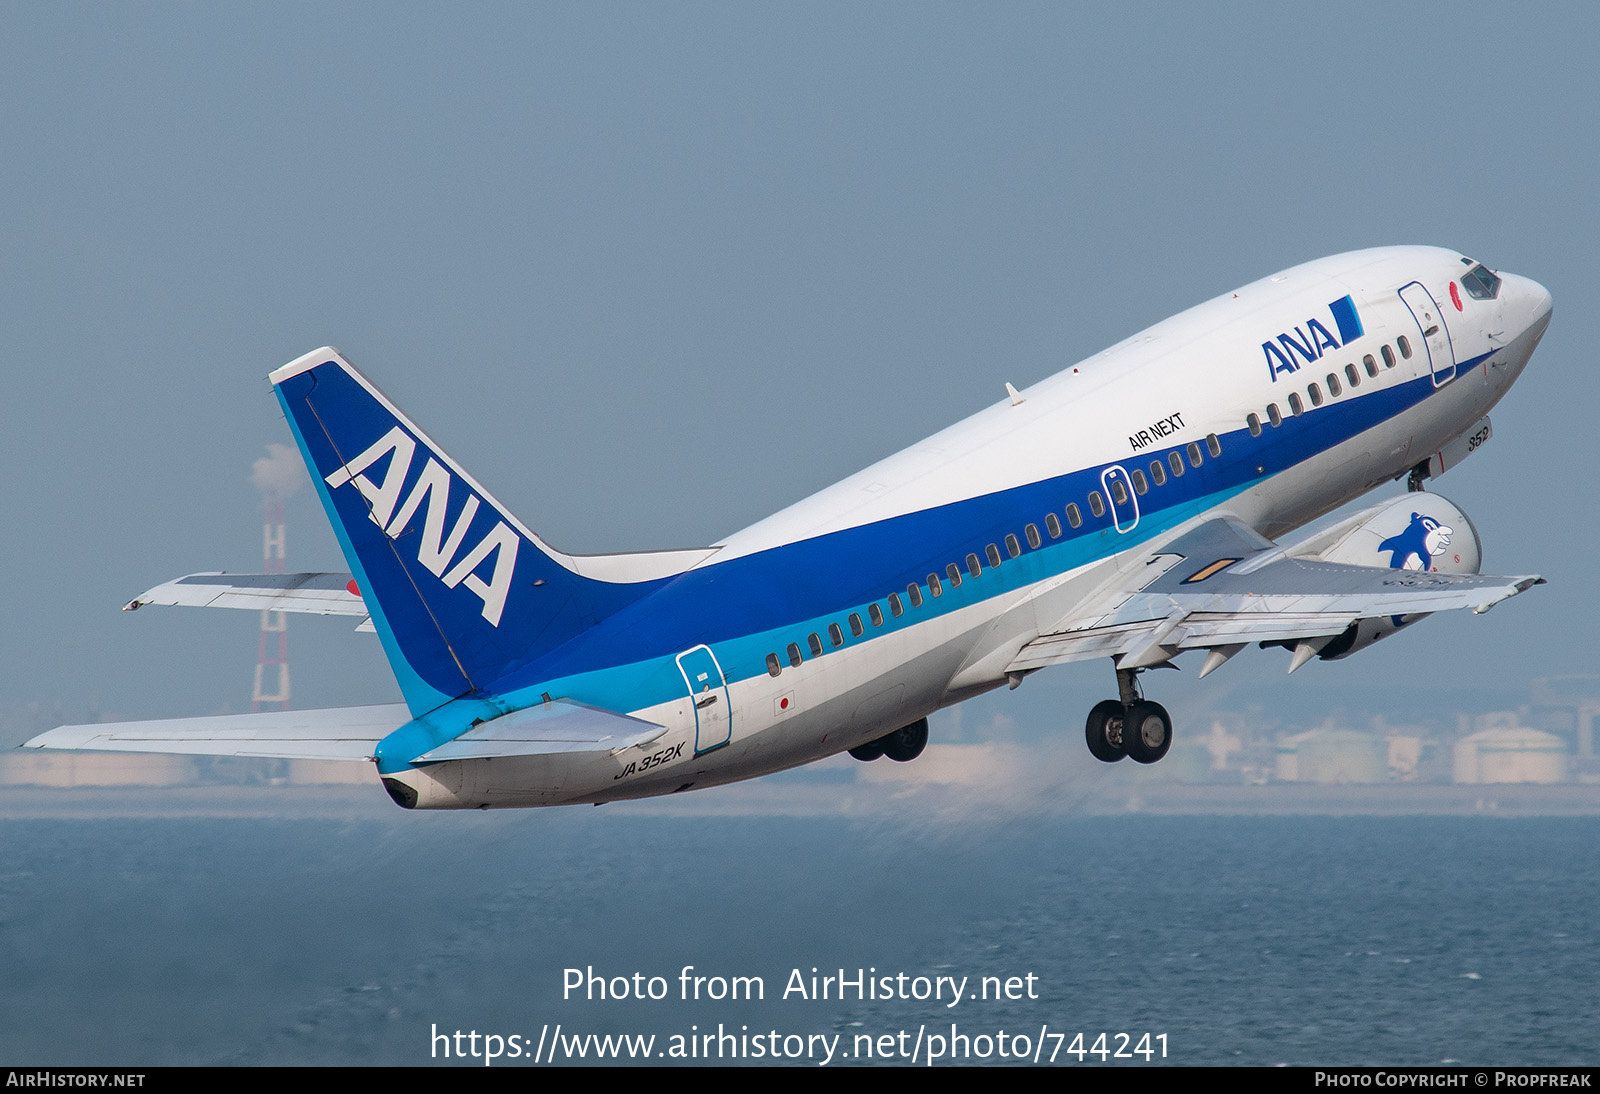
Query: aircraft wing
x=1222 y=586
x=341 y=733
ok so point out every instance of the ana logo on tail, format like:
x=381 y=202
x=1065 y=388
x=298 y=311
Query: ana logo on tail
x=436 y=551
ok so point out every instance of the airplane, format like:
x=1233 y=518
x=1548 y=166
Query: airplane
x=1127 y=508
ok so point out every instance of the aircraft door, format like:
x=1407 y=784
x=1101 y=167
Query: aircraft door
x=1121 y=497
x=1435 y=335
x=708 y=690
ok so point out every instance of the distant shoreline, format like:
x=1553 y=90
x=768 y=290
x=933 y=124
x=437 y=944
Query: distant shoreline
x=797 y=799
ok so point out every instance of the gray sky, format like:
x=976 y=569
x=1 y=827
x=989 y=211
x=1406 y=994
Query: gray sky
x=654 y=271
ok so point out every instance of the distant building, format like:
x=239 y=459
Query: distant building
x=1329 y=755
x=328 y=772
x=1405 y=755
x=133 y=769
x=1220 y=744
x=68 y=769
x=1567 y=706
x=1510 y=754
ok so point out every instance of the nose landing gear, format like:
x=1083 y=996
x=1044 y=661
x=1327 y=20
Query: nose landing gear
x=1128 y=726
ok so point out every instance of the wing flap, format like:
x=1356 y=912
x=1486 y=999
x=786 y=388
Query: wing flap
x=341 y=733
x=1196 y=630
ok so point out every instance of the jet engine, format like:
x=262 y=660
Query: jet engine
x=1416 y=532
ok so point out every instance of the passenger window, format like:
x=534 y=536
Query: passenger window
x=835 y=635
x=896 y=609
x=1370 y=365
x=1295 y=406
x=1255 y=425
x=1074 y=517
x=1013 y=547
x=1315 y=391
x=773 y=668
x=1032 y=532
x=1119 y=491
x=935 y=587
x=914 y=594
x=855 y=625
x=1052 y=524
x=1140 y=484
x=794 y=655
x=816 y=645
x=1097 y=504
x=954 y=573
x=1352 y=375
x=1158 y=473
x=1333 y=385
x=1274 y=415
x=1388 y=356
x=876 y=613
x=994 y=554
x=1405 y=346
x=1175 y=461
x=1194 y=453
x=974 y=567
x=1213 y=445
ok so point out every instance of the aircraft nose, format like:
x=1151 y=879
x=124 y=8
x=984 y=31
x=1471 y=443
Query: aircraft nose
x=1529 y=302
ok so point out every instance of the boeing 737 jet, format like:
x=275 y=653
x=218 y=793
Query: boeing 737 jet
x=1126 y=509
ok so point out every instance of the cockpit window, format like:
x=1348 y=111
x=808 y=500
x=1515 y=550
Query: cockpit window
x=1480 y=283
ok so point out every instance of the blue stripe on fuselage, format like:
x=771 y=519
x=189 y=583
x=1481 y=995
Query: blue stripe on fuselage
x=828 y=577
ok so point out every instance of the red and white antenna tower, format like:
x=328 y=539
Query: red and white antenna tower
x=272 y=657
x=278 y=476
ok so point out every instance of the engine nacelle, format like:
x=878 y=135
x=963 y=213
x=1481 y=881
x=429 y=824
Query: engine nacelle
x=1364 y=632
x=1416 y=531
x=1413 y=531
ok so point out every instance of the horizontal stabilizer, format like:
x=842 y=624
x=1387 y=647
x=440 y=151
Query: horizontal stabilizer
x=557 y=726
x=316 y=594
x=340 y=733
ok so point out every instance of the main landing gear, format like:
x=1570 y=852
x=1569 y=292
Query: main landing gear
x=903 y=745
x=1128 y=726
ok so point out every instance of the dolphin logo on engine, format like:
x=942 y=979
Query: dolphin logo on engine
x=1414 y=548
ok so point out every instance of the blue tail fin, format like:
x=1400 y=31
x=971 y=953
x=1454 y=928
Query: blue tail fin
x=461 y=593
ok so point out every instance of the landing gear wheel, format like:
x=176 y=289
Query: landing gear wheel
x=1147 y=732
x=1104 y=731
x=869 y=751
x=905 y=743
